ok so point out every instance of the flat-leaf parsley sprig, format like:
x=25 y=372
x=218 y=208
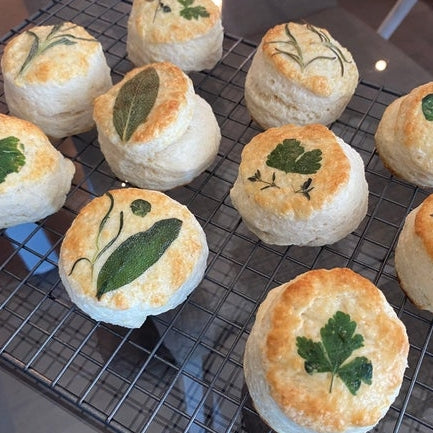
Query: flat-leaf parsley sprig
x=338 y=343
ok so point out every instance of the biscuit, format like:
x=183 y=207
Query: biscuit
x=414 y=255
x=404 y=136
x=186 y=33
x=132 y=253
x=300 y=185
x=51 y=76
x=34 y=176
x=172 y=135
x=301 y=75
x=326 y=354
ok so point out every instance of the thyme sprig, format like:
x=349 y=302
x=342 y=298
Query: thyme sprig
x=161 y=7
x=54 y=38
x=306 y=188
x=258 y=178
x=298 y=56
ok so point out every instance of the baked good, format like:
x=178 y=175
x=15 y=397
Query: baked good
x=51 y=76
x=132 y=253
x=34 y=176
x=300 y=185
x=187 y=33
x=404 y=136
x=154 y=131
x=299 y=74
x=414 y=255
x=326 y=354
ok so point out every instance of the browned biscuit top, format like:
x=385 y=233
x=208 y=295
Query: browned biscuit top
x=309 y=56
x=49 y=54
x=293 y=169
x=173 y=20
x=304 y=307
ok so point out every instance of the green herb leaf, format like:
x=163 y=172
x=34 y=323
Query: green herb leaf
x=136 y=254
x=356 y=371
x=190 y=13
x=338 y=343
x=12 y=157
x=258 y=178
x=427 y=106
x=290 y=157
x=53 y=39
x=134 y=102
x=140 y=207
x=306 y=188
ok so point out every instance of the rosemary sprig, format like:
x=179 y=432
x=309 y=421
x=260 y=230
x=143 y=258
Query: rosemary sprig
x=298 y=55
x=258 y=178
x=324 y=38
x=53 y=39
x=306 y=188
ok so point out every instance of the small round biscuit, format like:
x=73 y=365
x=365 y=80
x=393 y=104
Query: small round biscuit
x=34 y=176
x=188 y=34
x=51 y=76
x=326 y=354
x=299 y=74
x=132 y=253
x=154 y=131
x=300 y=185
x=404 y=137
x=414 y=255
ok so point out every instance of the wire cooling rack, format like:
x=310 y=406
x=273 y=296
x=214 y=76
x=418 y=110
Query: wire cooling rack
x=182 y=371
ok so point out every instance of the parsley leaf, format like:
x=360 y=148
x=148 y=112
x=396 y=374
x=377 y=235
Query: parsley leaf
x=12 y=156
x=192 y=12
x=290 y=157
x=338 y=342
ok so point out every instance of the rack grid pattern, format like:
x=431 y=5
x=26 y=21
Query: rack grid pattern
x=182 y=371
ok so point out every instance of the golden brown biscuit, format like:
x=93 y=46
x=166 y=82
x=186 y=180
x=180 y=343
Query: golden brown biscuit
x=171 y=136
x=414 y=255
x=300 y=185
x=132 y=253
x=186 y=33
x=51 y=76
x=34 y=176
x=327 y=353
x=299 y=74
x=404 y=137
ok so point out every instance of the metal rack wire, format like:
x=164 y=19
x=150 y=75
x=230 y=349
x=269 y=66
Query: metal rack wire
x=182 y=371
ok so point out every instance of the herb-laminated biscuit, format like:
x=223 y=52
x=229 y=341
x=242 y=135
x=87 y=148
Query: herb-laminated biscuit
x=34 y=176
x=414 y=255
x=404 y=137
x=299 y=74
x=51 y=76
x=132 y=253
x=300 y=185
x=187 y=33
x=154 y=131
x=326 y=354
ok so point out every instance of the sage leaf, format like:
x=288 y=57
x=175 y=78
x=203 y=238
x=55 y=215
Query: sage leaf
x=134 y=102
x=136 y=254
x=12 y=157
x=290 y=157
x=140 y=207
x=427 y=107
